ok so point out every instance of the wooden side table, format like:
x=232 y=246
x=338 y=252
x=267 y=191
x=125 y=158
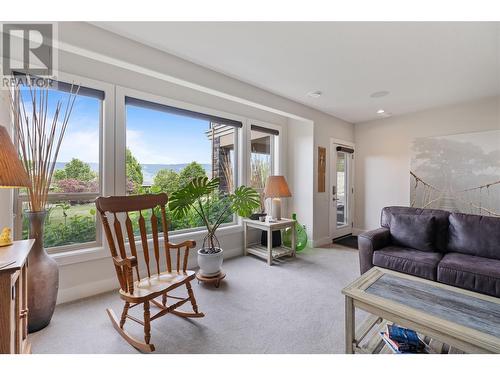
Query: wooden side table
x=269 y=253
x=14 y=297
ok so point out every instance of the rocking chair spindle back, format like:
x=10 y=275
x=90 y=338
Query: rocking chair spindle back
x=156 y=283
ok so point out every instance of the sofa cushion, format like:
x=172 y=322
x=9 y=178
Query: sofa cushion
x=415 y=262
x=441 y=217
x=470 y=272
x=475 y=235
x=414 y=231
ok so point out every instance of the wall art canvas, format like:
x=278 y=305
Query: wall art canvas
x=459 y=173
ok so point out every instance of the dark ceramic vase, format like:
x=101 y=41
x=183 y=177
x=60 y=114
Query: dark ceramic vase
x=43 y=276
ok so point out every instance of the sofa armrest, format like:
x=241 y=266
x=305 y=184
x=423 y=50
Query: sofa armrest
x=370 y=241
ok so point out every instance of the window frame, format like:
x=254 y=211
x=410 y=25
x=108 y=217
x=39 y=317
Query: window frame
x=106 y=149
x=121 y=142
x=277 y=166
x=277 y=158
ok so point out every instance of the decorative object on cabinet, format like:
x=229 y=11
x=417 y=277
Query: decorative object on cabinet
x=39 y=136
x=5 y=237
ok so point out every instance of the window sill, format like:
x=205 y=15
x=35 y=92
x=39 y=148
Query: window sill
x=226 y=230
x=81 y=255
x=94 y=253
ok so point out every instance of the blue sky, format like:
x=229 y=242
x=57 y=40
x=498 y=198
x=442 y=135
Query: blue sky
x=161 y=138
x=81 y=139
x=153 y=137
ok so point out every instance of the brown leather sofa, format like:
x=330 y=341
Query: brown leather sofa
x=452 y=248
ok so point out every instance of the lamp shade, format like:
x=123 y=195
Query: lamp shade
x=276 y=187
x=12 y=173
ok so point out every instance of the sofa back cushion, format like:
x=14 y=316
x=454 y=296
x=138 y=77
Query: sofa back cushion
x=475 y=235
x=413 y=231
x=441 y=222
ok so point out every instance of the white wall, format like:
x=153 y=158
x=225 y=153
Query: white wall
x=300 y=158
x=383 y=151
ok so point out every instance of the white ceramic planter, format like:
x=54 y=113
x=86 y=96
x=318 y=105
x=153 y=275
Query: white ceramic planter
x=210 y=264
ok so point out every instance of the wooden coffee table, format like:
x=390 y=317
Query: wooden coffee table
x=466 y=321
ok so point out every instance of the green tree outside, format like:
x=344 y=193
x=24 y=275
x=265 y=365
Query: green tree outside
x=59 y=175
x=166 y=180
x=190 y=171
x=133 y=170
x=75 y=169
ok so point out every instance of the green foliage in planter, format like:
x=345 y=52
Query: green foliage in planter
x=213 y=208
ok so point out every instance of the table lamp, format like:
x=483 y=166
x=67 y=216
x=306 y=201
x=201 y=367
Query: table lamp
x=276 y=188
x=12 y=174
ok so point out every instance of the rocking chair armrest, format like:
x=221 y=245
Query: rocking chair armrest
x=188 y=244
x=130 y=262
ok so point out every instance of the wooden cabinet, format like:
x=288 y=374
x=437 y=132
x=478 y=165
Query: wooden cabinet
x=14 y=297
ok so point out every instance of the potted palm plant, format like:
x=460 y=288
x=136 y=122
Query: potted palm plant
x=202 y=196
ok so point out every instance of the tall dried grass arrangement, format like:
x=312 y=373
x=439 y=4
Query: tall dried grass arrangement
x=227 y=170
x=39 y=138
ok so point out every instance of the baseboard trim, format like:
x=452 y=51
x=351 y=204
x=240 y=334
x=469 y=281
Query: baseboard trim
x=321 y=241
x=86 y=290
x=358 y=231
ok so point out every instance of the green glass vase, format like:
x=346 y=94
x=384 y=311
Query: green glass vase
x=300 y=235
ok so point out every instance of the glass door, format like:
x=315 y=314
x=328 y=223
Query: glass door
x=341 y=193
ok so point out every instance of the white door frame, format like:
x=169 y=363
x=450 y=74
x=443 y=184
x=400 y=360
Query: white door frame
x=332 y=180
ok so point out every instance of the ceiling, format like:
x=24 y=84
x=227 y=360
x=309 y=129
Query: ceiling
x=421 y=64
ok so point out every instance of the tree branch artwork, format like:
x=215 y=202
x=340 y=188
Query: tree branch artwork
x=457 y=173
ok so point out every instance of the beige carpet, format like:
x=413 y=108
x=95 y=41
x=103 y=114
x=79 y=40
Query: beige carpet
x=292 y=307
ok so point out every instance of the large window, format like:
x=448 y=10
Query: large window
x=146 y=146
x=71 y=219
x=167 y=147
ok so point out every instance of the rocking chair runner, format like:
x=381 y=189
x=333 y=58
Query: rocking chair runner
x=146 y=290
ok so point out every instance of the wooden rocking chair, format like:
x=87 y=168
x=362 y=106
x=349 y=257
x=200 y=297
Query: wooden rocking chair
x=157 y=284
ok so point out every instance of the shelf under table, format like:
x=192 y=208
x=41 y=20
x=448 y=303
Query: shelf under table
x=261 y=251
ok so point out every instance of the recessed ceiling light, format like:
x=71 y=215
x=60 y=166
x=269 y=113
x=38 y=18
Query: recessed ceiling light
x=384 y=113
x=314 y=94
x=379 y=94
